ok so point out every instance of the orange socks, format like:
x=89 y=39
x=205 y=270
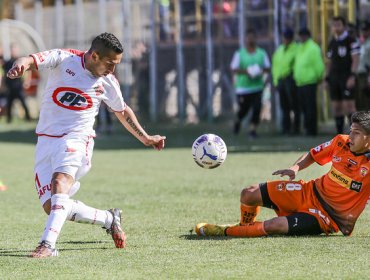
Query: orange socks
x=248 y=214
x=255 y=229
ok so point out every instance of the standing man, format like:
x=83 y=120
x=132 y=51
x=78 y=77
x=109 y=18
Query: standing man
x=14 y=87
x=78 y=82
x=343 y=58
x=282 y=73
x=308 y=71
x=363 y=70
x=248 y=66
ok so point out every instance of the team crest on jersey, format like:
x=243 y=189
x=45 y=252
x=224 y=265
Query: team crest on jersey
x=342 y=51
x=336 y=159
x=363 y=171
x=72 y=99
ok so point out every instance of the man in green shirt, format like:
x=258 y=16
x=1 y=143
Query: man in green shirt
x=248 y=66
x=363 y=69
x=282 y=73
x=308 y=71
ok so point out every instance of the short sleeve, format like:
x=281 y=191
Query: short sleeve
x=355 y=47
x=266 y=61
x=323 y=153
x=48 y=59
x=235 y=62
x=114 y=95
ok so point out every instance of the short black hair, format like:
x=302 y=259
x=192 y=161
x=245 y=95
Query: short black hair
x=251 y=31
x=104 y=43
x=363 y=119
x=304 y=31
x=341 y=19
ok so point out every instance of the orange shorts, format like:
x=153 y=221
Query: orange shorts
x=290 y=197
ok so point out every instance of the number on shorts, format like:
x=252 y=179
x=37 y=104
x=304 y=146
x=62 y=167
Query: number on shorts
x=293 y=187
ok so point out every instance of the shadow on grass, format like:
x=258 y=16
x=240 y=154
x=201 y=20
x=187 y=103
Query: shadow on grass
x=192 y=236
x=84 y=242
x=26 y=253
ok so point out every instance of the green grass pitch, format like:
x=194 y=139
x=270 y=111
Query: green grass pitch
x=163 y=195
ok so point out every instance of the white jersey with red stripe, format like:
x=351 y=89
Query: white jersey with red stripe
x=73 y=95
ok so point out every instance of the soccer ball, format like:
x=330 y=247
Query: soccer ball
x=209 y=151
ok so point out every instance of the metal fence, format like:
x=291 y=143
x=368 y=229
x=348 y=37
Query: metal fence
x=176 y=63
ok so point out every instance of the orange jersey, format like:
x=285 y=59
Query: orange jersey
x=345 y=189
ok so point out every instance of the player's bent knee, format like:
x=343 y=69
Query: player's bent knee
x=277 y=225
x=47 y=206
x=250 y=195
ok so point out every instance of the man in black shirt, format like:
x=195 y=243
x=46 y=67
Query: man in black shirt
x=14 y=86
x=343 y=57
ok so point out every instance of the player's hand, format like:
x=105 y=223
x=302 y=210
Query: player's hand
x=351 y=82
x=290 y=172
x=16 y=71
x=156 y=141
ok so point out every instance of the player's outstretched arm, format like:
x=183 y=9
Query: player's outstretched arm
x=20 y=66
x=303 y=162
x=130 y=122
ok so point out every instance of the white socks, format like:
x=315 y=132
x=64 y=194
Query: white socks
x=63 y=208
x=81 y=213
x=60 y=208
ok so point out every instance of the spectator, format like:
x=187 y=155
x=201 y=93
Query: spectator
x=248 y=65
x=14 y=87
x=343 y=54
x=282 y=73
x=308 y=71
x=164 y=16
x=363 y=69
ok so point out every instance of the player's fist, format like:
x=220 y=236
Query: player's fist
x=16 y=71
x=156 y=141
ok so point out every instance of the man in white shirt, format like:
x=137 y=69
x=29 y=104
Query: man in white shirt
x=78 y=82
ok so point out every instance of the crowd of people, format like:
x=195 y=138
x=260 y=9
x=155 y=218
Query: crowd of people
x=298 y=68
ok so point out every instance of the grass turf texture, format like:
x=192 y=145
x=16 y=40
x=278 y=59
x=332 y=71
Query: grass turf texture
x=163 y=195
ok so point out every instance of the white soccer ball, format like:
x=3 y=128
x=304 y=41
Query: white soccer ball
x=209 y=151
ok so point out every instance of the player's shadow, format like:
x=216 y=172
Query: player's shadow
x=192 y=236
x=84 y=242
x=26 y=253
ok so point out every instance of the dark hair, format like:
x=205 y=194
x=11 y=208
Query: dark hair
x=104 y=43
x=304 y=31
x=340 y=18
x=363 y=119
x=288 y=34
x=251 y=31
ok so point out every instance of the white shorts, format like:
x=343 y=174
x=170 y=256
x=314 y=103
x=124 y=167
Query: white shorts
x=70 y=154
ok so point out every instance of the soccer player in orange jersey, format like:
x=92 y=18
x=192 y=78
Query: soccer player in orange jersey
x=327 y=204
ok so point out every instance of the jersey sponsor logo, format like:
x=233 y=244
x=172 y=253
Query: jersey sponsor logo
x=351 y=161
x=356 y=186
x=344 y=180
x=70 y=72
x=72 y=99
x=41 y=189
x=363 y=171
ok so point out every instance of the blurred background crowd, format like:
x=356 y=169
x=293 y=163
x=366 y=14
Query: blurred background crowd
x=292 y=65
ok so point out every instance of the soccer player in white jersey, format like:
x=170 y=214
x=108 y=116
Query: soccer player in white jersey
x=77 y=84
